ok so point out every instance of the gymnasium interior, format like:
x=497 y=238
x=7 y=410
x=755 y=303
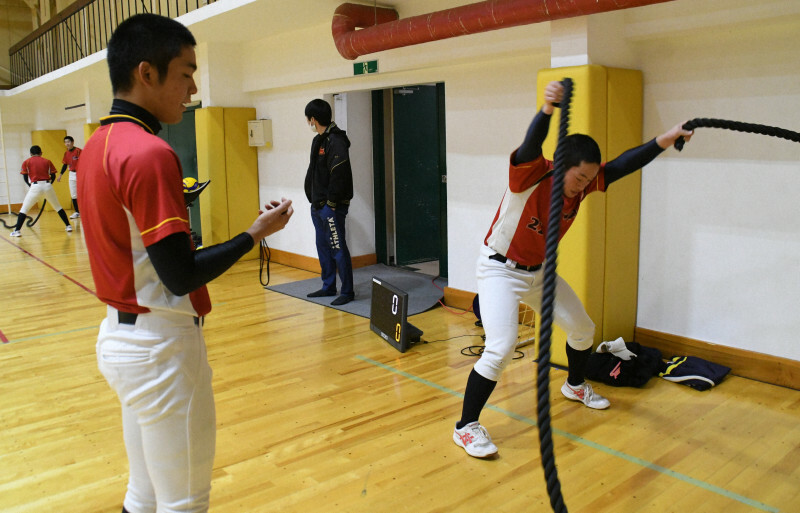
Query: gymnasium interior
x=697 y=254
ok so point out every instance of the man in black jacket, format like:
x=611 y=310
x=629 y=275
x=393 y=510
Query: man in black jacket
x=329 y=188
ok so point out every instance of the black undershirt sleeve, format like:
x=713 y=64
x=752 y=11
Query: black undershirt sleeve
x=631 y=160
x=531 y=147
x=63 y=168
x=183 y=269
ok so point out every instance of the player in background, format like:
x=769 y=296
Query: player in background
x=39 y=173
x=150 y=346
x=70 y=161
x=329 y=189
x=510 y=271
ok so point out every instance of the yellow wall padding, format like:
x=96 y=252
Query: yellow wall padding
x=88 y=130
x=210 y=132
x=599 y=255
x=231 y=202
x=241 y=163
x=623 y=207
x=52 y=144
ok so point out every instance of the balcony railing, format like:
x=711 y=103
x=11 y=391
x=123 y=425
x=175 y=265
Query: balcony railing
x=82 y=29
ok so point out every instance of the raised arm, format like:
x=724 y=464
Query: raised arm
x=640 y=156
x=531 y=147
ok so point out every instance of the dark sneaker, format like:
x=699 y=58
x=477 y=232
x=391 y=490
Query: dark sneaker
x=321 y=293
x=342 y=300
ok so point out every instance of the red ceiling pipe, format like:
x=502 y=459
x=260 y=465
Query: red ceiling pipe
x=382 y=30
x=348 y=17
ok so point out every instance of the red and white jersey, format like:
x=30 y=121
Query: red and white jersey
x=519 y=227
x=71 y=158
x=135 y=185
x=38 y=169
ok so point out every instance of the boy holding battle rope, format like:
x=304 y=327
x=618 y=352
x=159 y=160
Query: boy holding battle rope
x=510 y=270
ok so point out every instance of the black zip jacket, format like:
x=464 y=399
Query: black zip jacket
x=329 y=178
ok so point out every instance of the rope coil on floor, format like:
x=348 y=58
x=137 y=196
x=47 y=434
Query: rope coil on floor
x=546 y=317
x=28 y=222
x=738 y=126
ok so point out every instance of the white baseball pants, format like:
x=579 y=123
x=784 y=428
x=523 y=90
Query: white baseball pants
x=38 y=191
x=501 y=287
x=159 y=369
x=73 y=184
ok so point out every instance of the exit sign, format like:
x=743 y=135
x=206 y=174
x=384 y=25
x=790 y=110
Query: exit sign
x=363 y=68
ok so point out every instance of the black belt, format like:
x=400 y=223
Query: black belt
x=41 y=181
x=130 y=318
x=529 y=268
x=333 y=204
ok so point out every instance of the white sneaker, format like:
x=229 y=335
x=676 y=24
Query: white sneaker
x=16 y=233
x=75 y=215
x=475 y=440
x=69 y=228
x=586 y=395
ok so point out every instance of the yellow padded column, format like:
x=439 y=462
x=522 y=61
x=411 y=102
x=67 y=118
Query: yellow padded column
x=88 y=130
x=52 y=144
x=599 y=255
x=231 y=202
x=241 y=163
x=623 y=206
x=210 y=132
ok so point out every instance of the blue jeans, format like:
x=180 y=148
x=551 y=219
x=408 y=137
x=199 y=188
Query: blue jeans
x=332 y=248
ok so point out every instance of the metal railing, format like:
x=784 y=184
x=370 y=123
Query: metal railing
x=80 y=30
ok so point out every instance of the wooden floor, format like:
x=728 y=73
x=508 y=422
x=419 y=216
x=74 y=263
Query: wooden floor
x=318 y=414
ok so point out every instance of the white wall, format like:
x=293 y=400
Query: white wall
x=282 y=168
x=17 y=145
x=720 y=239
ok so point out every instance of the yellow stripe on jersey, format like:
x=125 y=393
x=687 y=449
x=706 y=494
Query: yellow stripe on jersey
x=165 y=221
x=105 y=150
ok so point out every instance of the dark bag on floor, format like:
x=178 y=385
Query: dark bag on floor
x=694 y=372
x=636 y=372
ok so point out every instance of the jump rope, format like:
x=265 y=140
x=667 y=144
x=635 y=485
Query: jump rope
x=549 y=278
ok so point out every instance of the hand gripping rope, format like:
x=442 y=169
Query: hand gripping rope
x=546 y=321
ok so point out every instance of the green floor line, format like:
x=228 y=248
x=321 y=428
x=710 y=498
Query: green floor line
x=575 y=438
x=51 y=334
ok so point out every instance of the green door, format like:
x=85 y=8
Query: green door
x=418 y=174
x=182 y=139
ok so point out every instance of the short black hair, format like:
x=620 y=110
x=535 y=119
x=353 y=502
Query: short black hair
x=319 y=110
x=144 y=38
x=36 y=150
x=69 y=137
x=580 y=148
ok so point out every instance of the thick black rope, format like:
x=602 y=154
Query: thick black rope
x=546 y=317
x=738 y=126
x=28 y=222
